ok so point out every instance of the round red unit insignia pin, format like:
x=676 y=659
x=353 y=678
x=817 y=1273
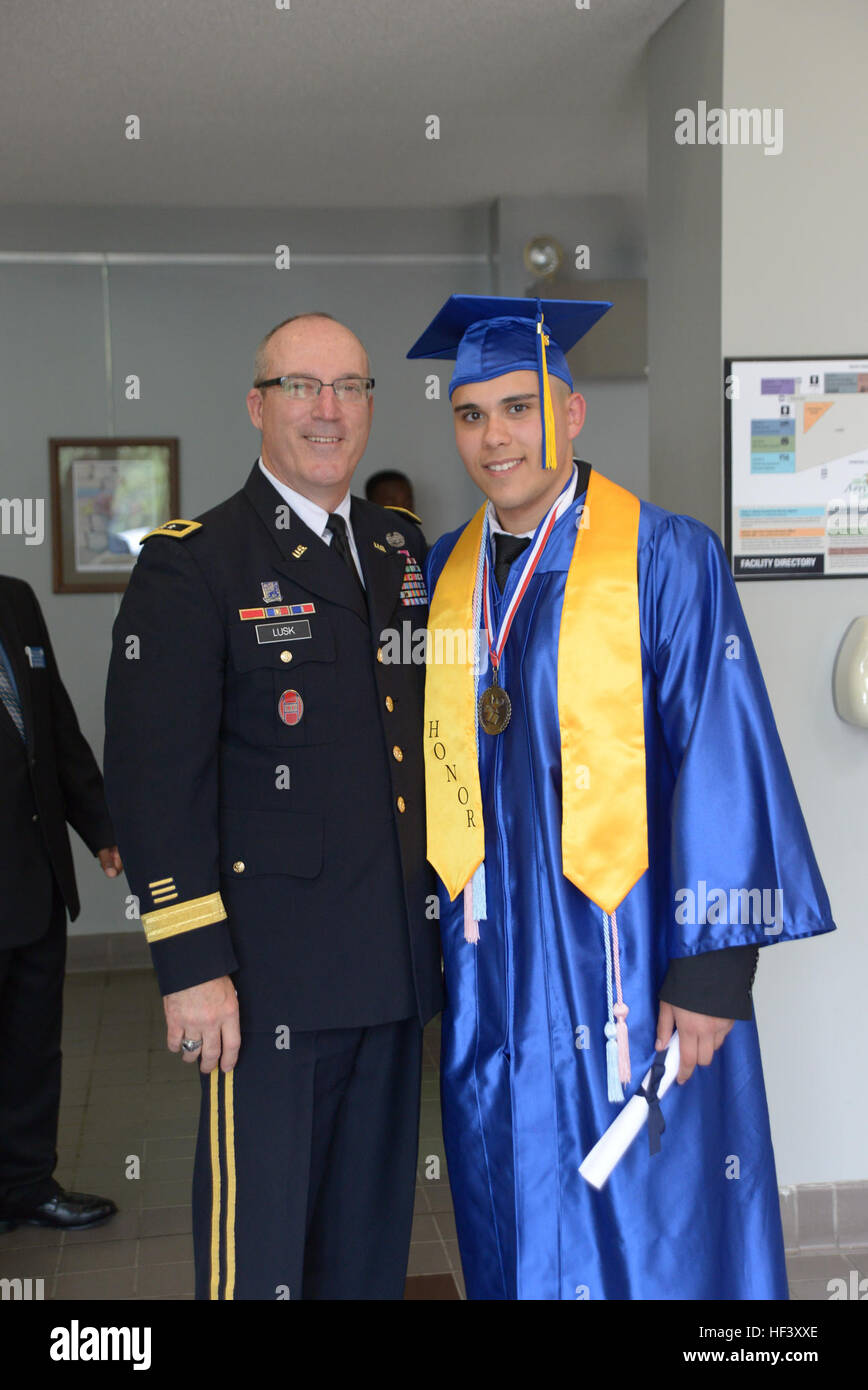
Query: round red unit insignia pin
x=290 y=707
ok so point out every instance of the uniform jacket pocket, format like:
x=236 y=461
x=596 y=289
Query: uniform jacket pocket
x=299 y=664
x=254 y=843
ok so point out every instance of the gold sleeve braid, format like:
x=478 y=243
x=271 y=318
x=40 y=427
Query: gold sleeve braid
x=181 y=917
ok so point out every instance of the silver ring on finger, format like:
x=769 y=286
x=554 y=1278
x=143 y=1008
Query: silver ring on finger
x=191 y=1044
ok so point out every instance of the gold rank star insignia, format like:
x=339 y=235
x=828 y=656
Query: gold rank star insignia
x=298 y=552
x=177 y=529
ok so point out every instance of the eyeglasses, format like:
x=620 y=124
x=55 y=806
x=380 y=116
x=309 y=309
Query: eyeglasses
x=351 y=390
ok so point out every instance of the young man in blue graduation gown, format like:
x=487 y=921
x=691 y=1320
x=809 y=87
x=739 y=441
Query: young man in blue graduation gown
x=616 y=833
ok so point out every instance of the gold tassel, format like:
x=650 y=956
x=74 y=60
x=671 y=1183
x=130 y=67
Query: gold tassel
x=550 y=460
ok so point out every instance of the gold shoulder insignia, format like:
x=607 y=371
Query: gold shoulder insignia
x=178 y=529
x=405 y=511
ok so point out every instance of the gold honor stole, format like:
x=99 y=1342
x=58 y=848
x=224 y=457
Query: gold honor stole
x=604 y=827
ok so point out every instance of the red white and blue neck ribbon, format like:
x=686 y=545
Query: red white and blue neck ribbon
x=495 y=648
x=475 y=905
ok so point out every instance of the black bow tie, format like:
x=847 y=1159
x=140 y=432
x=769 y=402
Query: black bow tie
x=506 y=549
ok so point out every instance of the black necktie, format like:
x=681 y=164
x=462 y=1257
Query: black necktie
x=506 y=549
x=341 y=543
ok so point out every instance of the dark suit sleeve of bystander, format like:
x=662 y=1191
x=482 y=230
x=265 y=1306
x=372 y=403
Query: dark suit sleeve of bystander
x=81 y=784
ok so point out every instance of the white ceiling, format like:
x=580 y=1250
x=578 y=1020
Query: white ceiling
x=324 y=104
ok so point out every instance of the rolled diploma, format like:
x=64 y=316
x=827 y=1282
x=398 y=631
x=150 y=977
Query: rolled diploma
x=614 y=1143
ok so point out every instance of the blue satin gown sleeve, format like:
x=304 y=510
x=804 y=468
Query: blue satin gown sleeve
x=741 y=855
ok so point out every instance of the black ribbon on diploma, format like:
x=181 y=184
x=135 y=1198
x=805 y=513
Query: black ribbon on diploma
x=656 y=1123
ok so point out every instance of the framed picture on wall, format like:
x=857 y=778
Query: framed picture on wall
x=106 y=495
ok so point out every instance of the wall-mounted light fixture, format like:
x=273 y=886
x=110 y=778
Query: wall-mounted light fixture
x=850 y=678
x=543 y=256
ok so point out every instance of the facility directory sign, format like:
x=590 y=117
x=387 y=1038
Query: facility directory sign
x=796 y=467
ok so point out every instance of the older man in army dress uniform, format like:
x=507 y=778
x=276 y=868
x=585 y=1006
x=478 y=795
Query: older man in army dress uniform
x=263 y=764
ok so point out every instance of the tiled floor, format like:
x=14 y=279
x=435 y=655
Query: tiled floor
x=125 y=1095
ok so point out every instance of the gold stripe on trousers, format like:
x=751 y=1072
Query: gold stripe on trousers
x=221 y=1141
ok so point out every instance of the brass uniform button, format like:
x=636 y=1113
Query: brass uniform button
x=398 y=754
x=401 y=804
x=239 y=866
x=390 y=703
x=379 y=653
x=286 y=656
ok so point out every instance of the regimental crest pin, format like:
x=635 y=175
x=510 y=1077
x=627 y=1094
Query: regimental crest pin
x=394 y=538
x=298 y=552
x=271 y=591
x=377 y=546
x=290 y=707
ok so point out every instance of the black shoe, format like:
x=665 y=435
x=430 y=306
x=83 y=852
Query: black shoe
x=70 y=1211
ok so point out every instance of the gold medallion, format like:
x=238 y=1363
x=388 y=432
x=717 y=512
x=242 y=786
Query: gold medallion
x=495 y=709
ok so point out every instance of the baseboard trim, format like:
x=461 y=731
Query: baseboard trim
x=825 y=1216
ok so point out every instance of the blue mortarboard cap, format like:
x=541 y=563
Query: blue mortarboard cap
x=488 y=336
